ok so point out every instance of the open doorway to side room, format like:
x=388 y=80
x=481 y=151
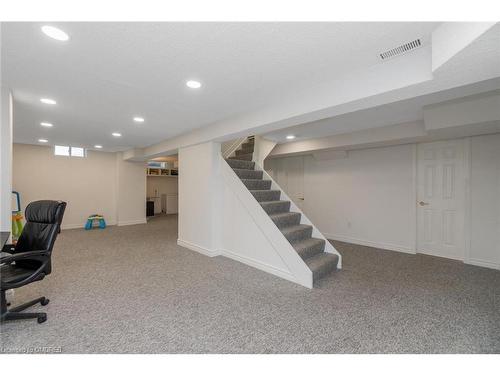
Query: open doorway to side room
x=162 y=191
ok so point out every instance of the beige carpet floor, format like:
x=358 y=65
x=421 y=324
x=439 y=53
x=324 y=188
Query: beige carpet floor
x=133 y=290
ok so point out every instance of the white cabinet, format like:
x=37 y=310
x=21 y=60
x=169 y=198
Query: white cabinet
x=157 y=201
x=172 y=203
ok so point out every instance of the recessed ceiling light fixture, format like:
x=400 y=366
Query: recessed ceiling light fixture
x=138 y=119
x=55 y=33
x=116 y=134
x=48 y=101
x=291 y=136
x=193 y=84
x=46 y=124
x=41 y=140
x=98 y=146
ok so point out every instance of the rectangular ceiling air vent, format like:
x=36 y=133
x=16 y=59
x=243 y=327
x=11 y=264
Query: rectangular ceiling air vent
x=398 y=51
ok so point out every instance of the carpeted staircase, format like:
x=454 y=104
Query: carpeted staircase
x=310 y=249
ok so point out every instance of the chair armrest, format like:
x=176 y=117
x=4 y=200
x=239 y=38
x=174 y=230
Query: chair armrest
x=8 y=248
x=25 y=255
x=36 y=273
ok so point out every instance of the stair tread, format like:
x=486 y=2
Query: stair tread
x=245 y=157
x=241 y=164
x=273 y=202
x=294 y=228
x=307 y=243
x=320 y=260
x=245 y=173
x=283 y=214
x=266 y=190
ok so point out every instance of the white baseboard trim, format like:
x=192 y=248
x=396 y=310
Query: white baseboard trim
x=72 y=226
x=259 y=265
x=81 y=226
x=239 y=258
x=197 y=248
x=132 y=222
x=482 y=263
x=380 y=245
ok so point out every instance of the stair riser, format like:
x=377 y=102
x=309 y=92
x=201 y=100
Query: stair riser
x=267 y=195
x=243 y=152
x=242 y=157
x=248 y=174
x=247 y=147
x=311 y=251
x=257 y=184
x=287 y=221
x=325 y=269
x=241 y=164
x=276 y=208
x=299 y=235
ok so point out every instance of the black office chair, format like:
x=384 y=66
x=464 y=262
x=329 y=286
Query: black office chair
x=30 y=259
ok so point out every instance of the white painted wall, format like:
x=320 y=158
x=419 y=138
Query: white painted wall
x=464 y=111
x=219 y=216
x=369 y=197
x=262 y=148
x=198 y=197
x=131 y=191
x=162 y=185
x=366 y=197
x=5 y=159
x=485 y=201
x=89 y=185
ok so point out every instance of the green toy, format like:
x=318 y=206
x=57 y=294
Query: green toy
x=17 y=219
x=95 y=218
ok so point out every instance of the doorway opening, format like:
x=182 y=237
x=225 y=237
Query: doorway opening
x=162 y=188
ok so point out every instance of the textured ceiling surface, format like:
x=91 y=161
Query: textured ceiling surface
x=107 y=73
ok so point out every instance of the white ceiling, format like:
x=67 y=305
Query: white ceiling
x=398 y=112
x=473 y=70
x=110 y=72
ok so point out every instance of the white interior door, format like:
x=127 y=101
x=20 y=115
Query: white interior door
x=295 y=180
x=441 y=199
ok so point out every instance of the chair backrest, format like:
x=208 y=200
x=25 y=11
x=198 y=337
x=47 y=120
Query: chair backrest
x=43 y=222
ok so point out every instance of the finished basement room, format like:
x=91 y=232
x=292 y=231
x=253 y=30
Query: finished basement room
x=250 y=187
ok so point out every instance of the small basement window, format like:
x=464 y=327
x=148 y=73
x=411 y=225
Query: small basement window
x=61 y=150
x=78 y=152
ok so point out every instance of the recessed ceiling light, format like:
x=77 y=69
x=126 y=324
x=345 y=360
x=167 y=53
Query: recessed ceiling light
x=291 y=136
x=138 y=119
x=193 y=84
x=46 y=124
x=116 y=134
x=41 y=140
x=98 y=146
x=48 y=101
x=55 y=33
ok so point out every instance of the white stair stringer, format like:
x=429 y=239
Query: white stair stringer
x=294 y=268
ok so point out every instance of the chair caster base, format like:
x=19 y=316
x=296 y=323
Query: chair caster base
x=16 y=314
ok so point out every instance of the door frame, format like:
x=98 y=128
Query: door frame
x=467 y=195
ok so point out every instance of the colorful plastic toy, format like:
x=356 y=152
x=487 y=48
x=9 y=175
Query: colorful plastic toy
x=95 y=218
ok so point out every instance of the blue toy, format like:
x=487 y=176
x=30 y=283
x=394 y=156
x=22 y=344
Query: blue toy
x=95 y=218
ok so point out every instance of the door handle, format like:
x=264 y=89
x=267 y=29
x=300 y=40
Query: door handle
x=301 y=199
x=423 y=203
